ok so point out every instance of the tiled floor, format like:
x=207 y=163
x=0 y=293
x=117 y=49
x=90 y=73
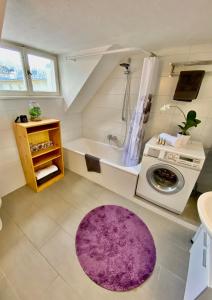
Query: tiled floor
x=190 y=213
x=37 y=249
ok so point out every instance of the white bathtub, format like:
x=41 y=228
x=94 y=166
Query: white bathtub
x=113 y=176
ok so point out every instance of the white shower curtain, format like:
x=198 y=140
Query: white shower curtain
x=133 y=145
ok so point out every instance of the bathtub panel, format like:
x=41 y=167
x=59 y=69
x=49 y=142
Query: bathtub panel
x=113 y=178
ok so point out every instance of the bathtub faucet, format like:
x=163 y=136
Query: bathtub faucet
x=112 y=138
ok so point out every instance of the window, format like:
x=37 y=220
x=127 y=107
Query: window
x=27 y=72
x=11 y=71
x=42 y=73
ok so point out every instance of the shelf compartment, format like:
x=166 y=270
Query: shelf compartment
x=48 y=177
x=45 y=158
x=41 y=127
x=44 y=151
x=41 y=130
x=45 y=136
x=49 y=182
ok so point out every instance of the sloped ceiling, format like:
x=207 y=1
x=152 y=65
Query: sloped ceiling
x=74 y=75
x=103 y=69
x=70 y=25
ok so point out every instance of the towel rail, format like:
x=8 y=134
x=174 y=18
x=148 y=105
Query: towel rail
x=188 y=64
x=114 y=51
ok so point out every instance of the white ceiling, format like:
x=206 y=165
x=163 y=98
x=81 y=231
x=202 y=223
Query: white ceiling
x=71 y=25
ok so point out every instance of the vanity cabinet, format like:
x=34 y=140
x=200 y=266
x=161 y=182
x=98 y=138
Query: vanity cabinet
x=199 y=280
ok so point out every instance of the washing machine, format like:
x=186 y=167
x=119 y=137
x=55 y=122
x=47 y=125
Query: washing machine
x=168 y=174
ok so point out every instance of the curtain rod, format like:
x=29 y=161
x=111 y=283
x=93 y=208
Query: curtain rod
x=75 y=57
x=189 y=64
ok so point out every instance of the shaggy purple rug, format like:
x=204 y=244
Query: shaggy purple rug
x=115 y=248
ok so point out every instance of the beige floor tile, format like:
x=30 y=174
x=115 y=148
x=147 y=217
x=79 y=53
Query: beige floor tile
x=10 y=235
x=1 y=274
x=166 y=229
x=60 y=290
x=6 y=290
x=81 y=199
x=173 y=258
x=18 y=203
x=60 y=252
x=50 y=269
x=66 y=185
x=86 y=186
x=71 y=220
x=38 y=227
x=169 y=286
x=52 y=204
x=108 y=197
x=153 y=279
x=71 y=177
x=77 y=189
x=190 y=212
x=92 y=188
x=28 y=272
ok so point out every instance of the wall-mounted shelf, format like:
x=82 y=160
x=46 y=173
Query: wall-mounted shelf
x=38 y=132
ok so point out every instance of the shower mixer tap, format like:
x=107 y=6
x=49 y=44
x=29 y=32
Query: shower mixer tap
x=112 y=138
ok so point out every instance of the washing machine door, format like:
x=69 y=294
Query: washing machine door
x=165 y=178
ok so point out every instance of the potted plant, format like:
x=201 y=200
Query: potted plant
x=34 y=111
x=190 y=121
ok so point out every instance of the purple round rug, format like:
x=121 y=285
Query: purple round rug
x=115 y=248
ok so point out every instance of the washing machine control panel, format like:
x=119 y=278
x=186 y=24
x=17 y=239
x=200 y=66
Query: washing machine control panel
x=182 y=160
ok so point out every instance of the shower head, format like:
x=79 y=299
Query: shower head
x=125 y=65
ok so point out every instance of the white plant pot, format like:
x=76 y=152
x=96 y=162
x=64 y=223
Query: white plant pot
x=183 y=139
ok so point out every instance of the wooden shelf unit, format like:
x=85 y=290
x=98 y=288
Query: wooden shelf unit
x=38 y=132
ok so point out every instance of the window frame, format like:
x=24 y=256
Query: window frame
x=24 y=51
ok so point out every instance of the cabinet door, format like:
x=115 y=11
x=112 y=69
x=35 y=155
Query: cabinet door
x=197 y=280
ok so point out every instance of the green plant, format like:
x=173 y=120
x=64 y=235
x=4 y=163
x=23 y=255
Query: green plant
x=35 y=112
x=190 y=121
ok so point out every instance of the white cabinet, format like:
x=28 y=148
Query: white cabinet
x=198 y=284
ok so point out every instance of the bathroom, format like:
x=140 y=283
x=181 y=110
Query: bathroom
x=39 y=254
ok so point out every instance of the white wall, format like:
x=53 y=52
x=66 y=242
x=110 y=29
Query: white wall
x=74 y=74
x=11 y=174
x=2 y=11
x=81 y=78
x=103 y=114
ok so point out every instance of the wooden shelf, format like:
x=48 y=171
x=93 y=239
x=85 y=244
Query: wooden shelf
x=44 y=151
x=43 y=161
x=38 y=123
x=49 y=182
x=34 y=133
x=42 y=130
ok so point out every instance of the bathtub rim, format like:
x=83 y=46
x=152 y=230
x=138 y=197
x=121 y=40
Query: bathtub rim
x=135 y=170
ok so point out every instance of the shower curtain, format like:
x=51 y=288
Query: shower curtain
x=133 y=145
